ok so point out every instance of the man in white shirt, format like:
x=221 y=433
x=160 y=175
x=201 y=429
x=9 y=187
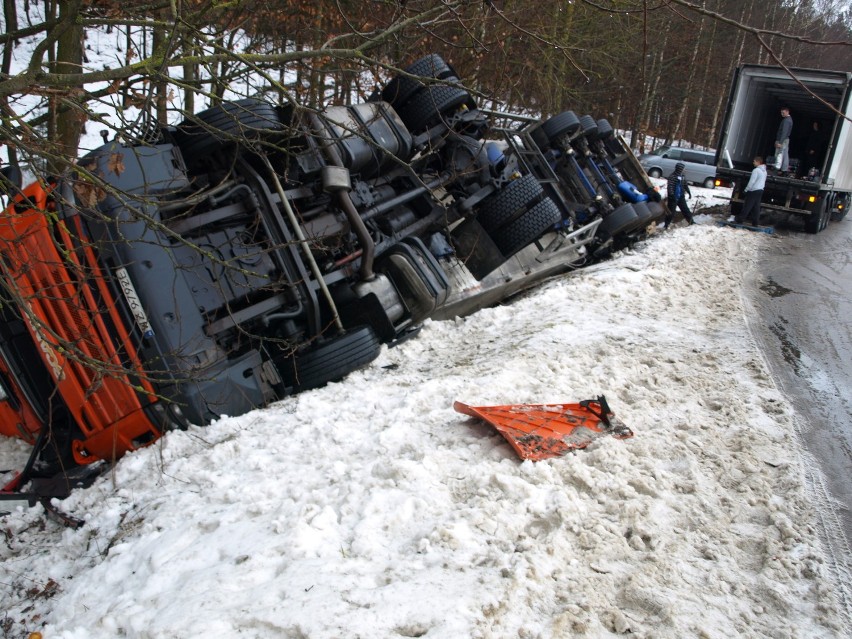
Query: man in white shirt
x=753 y=193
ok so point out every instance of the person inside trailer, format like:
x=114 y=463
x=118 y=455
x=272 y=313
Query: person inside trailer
x=782 y=141
x=814 y=150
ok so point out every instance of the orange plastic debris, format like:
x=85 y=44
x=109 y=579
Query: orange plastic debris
x=542 y=431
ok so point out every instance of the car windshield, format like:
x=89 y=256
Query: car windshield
x=660 y=151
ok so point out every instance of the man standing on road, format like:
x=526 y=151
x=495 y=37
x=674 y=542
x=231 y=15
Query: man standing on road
x=782 y=140
x=753 y=194
x=676 y=191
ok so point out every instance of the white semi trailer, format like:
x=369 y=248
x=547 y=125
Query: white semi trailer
x=817 y=187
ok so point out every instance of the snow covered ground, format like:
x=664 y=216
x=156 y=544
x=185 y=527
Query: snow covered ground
x=369 y=508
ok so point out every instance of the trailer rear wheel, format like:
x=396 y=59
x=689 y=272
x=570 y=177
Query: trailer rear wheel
x=589 y=127
x=539 y=137
x=658 y=210
x=559 y=125
x=818 y=219
x=622 y=220
x=646 y=215
x=605 y=131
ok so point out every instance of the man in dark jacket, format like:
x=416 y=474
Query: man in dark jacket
x=782 y=140
x=814 y=149
x=676 y=191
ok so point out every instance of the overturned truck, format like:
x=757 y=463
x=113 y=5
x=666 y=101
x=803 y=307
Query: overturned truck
x=257 y=250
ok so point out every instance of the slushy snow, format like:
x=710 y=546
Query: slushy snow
x=371 y=509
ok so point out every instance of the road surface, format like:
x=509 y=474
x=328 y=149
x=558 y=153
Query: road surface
x=802 y=292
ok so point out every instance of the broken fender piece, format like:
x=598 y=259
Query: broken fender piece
x=542 y=431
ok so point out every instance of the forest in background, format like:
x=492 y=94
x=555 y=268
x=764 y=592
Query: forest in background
x=660 y=69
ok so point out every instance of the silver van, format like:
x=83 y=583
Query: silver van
x=700 y=165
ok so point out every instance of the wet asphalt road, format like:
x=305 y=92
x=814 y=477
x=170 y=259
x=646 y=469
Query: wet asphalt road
x=803 y=297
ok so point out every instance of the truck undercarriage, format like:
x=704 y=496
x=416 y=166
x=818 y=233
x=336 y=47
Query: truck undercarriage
x=257 y=250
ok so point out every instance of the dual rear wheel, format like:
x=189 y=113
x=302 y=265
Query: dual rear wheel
x=518 y=215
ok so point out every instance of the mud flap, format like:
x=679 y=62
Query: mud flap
x=475 y=248
x=543 y=431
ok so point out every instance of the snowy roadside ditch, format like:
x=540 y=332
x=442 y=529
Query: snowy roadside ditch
x=369 y=508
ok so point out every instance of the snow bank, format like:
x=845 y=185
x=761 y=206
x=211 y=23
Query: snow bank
x=369 y=508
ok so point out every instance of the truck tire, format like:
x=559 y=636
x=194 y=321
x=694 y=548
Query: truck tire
x=331 y=360
x=658 y=210
x=517 y=197
x=589 y=127
x=209 y=130
x=432 y=105
x=527 y=228
x=557 y=126
x=815 y=222
x=539 y=137
x=604 y=130
x=402 y=88
x=622 y=220
x=645 y=214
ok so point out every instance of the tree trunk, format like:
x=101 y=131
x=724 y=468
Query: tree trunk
x=708 y=54
x=650 y=88
x=190 y=78
x=67 y=114
x=769 y=22
x=220 y=82
x=10 y=14
x=679 y=130
x=161 y=87
x=745 y=16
